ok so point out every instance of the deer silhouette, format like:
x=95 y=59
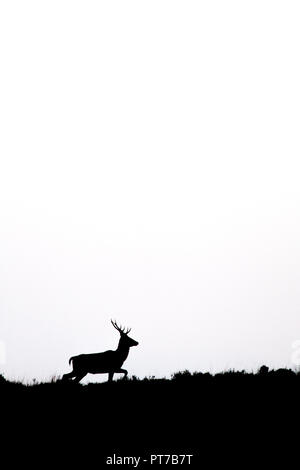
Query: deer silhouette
x=108 y=362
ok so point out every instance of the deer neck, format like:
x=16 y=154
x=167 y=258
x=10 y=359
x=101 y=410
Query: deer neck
x=122 y=350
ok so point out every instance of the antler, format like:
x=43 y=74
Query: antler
x=119 y=328
x=114 y=323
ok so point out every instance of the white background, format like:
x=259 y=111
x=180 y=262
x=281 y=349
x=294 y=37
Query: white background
x=149 y=172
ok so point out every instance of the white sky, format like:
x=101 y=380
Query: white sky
x=149 y=172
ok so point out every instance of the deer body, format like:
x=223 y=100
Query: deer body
x=108 y=362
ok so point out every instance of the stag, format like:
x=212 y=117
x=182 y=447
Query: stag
x=108 y=362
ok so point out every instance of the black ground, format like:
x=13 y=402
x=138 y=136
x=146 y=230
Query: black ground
x=232 y=418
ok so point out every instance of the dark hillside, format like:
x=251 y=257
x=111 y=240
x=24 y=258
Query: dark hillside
x=214 y=417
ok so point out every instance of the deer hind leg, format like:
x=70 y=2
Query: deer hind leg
x=68 y=376
x=79 y=376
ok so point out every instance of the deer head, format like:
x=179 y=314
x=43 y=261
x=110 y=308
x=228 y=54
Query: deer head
x=125 y=340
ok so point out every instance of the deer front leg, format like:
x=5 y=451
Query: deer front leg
x=110 y=376
x=123 y=371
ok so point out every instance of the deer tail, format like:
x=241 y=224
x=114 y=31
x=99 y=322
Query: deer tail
x=71 y=359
